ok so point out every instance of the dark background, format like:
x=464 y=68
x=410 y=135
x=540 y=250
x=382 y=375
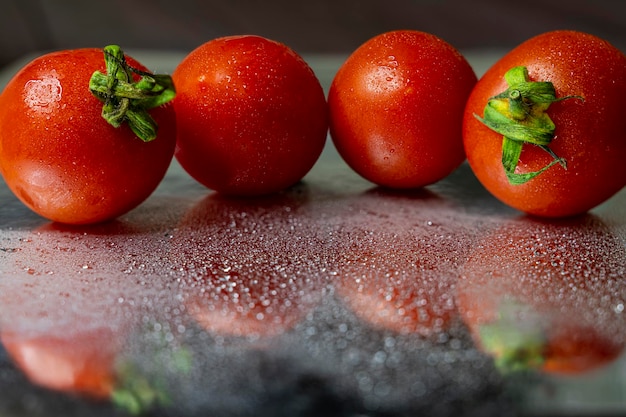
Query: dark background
x=316 y=26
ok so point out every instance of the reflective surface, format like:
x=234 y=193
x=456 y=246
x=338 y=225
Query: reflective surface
x=333 y=298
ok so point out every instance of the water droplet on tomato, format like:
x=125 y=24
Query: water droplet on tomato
x=43 y=94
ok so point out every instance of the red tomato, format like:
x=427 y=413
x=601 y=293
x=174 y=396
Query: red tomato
x=546 y=296
x=396 y=107
x=60 y=156
x=589 y=134
x=251 y=115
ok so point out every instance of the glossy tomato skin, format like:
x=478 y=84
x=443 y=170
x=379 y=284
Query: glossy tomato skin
x=61 y=158
x=590 y=135
x=251 y=115
x=396 y=108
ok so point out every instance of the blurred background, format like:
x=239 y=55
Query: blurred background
x=318 y=26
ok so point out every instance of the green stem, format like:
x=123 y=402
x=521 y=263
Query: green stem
x=519 y=114
x=127 y=100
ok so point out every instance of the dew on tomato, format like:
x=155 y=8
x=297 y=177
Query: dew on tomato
x=589 y=79
x=251 y=115
x=396 y=108
x=42 y=94
x=62 y=158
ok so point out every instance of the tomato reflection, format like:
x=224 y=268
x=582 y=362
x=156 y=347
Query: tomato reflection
x=399 y=264
x=547 y=295
x=79 y=363
x=67 y=300
x=249 y=265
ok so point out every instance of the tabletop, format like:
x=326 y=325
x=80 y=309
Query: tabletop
x=333 y=298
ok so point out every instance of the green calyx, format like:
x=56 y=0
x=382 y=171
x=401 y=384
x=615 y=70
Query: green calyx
x=127 y=100
x=519 y=114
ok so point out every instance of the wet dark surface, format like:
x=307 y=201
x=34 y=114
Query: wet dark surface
x=334 y=298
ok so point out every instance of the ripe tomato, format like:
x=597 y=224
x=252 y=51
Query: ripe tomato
x=396 y=107
x=60 y=156
x=586 y=140
x=546 y=296
x=251 y=115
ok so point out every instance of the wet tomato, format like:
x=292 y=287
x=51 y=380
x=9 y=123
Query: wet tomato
x=59 y=155
x=251 y=115
x=543 y=128
x=396 y=108
x=546 y=296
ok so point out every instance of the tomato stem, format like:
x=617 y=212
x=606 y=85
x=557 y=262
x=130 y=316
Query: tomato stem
x=519 y=114
x=127 y=100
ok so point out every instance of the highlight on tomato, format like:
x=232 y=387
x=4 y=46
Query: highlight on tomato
x=396 y=109
x=84 y=134
x=543 y=128
x=251 y=115
x=546 y=296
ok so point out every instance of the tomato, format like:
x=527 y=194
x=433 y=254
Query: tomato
x=574 y=159
x=546 y=295
x=59 y=155
x=251 y=115
x=396 y=107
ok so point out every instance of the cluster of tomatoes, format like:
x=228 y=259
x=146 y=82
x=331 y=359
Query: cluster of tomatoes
x=244 y=115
